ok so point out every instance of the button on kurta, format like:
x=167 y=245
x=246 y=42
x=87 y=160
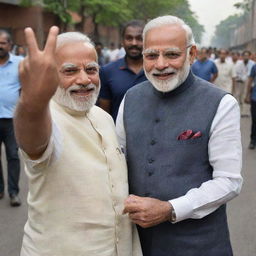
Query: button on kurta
x=151 y=160
x=153 y=142
x=150 y=173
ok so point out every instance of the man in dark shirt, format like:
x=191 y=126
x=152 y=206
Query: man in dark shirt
x=119 y=76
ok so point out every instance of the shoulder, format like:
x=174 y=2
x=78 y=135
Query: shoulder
x=205 y=87
x=16 y=59
x=101 y=114
x=139 y=87
x=115 y=65
x=210 y=62
x=196 y=63
x=139 y=92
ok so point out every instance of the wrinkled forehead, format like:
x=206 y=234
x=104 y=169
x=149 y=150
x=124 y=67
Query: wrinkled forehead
x=166 y=36
x=70 y=65
x=76 y=53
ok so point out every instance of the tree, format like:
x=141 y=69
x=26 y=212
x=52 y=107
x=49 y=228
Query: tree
x=180 y=8
x=58 y=7
x=107 y=12
x=225 y=30
x=116 y=12
x=245 y=5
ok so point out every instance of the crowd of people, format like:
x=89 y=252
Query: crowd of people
x=233 y=72
x=167 y=157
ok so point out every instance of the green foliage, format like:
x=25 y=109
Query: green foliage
x=245 y=5
x=116 y=12
x=26 y=3
x=148 y=9
x=225 y=30
x=58 y=7
x=109 y=12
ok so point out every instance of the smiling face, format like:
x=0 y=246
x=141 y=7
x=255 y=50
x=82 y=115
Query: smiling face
x=79 y=76
x=132 y=42
x=166 y=62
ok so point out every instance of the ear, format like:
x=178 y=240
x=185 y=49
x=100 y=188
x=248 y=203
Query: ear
x=192 y=54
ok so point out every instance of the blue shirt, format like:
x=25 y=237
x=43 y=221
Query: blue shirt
x=253 y=75
x=204 y=69
x=9 y=86
x=116 y=78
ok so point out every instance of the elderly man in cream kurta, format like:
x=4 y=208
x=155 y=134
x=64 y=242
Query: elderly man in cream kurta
x=77 y=172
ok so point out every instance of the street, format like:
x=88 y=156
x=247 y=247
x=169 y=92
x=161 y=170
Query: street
x=241 y=211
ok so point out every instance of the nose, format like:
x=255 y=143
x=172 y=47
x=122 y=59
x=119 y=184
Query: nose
x=134 y=41
x=83 y=78
x=161 y=63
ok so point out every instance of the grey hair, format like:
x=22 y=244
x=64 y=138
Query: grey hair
x=169 y=20
x=72 y=37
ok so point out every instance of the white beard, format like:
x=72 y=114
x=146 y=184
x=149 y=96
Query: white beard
x=173 y=82
x=79 y=103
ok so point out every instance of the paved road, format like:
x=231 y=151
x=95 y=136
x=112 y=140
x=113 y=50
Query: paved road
x=241 y=211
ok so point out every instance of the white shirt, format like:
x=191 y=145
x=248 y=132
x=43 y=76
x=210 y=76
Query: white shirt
x=226 y=72
x=243 y=70
x=225 y=156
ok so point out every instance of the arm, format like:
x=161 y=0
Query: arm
x=214 y=72
x=105 y=93
x=214 y=76
x=233 y=76
x=121 y=135
x=249 y=84
x=39 y=80
x=248 y=90
x=226 y=161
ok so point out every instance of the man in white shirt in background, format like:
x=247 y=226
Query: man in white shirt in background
x=76 y=170
x=182 y=140
x=243 y=68
x=226 y=72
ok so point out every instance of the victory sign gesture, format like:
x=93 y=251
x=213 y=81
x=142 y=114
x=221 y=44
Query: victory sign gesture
x=39 y=80
x=38 y=72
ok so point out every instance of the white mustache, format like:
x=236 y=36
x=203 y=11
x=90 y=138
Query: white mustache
x=78 y=87
x=167 y=70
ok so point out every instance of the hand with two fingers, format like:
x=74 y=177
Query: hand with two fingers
x=146 y=211
x=38 y=72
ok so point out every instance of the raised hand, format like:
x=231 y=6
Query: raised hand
x=38 y=72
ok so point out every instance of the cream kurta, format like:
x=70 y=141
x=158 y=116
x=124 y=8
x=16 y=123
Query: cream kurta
x=77 y=190
x=226 y=72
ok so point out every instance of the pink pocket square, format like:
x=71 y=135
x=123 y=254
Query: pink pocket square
x=189 y=134
x=197 y=135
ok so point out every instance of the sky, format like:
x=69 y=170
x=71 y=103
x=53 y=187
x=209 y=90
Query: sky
x=210 y=13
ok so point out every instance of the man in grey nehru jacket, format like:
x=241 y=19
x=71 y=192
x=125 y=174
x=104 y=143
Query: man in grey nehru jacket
x=182 y=140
